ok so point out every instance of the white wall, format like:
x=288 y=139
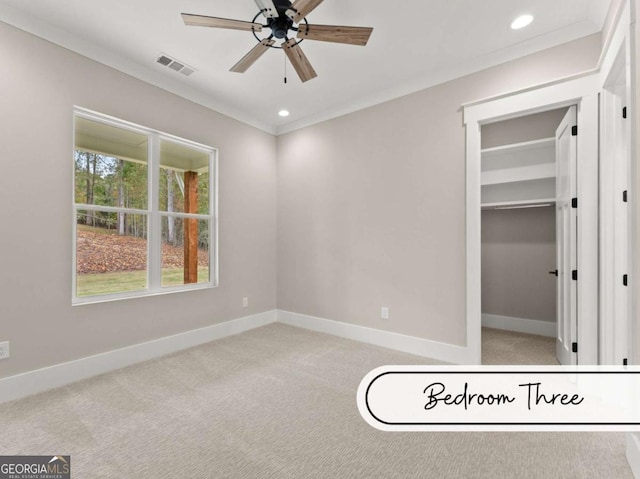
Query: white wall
x=636 y=158
x=371 y=206
x=633 y=440
x=38 y=88
x=635 y=187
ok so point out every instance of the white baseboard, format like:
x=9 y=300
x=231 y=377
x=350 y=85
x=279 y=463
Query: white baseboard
x=32 y=382
x=633 y=453
x=449 y=353
x=520 y=325
x=40 y=380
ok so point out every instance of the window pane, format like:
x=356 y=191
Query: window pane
x=176 y=251
x=110 y=165
x=111 y=253
x=184 y=179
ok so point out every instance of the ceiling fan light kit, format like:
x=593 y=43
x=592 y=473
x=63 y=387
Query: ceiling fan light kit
x=284 y=19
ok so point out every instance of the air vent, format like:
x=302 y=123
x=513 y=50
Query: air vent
x=164 y=60
x=174 y=64
x=177 y=66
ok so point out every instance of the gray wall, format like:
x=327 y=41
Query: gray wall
x=40 y=85
x=371 y=206
x=518 y=251
x=525 y=128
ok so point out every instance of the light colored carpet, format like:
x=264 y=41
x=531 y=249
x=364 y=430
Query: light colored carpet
x=276 y=402
x=507 y=347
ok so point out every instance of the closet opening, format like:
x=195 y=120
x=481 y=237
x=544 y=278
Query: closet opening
x=528 y=238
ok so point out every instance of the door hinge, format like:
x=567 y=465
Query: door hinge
x=574 y=202
x=625 y=196
x=625 y=362
x=624 y=113
x=574 y=130
x=574 y=347
x=625 y=280
x=574 y=275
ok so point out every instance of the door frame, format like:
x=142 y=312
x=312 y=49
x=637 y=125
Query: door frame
x=615 y=222
x=582 y=91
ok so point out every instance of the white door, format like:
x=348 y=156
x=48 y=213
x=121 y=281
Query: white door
x=566 y=238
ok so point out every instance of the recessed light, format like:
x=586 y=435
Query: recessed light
x=521 y=22
x=283 y=113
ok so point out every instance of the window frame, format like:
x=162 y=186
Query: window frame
x=153 y=212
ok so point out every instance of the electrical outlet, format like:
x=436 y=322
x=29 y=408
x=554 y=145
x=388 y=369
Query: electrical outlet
x=384 y=312
x=4 y=350
x=245 y=302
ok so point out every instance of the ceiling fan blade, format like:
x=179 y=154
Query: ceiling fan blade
x=267 y=8
x=253 y=55
x=204 y=21
x=299 y=60
x=336 y=34
x=302 y=8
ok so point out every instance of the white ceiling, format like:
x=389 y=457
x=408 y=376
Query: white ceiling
x=418 y=44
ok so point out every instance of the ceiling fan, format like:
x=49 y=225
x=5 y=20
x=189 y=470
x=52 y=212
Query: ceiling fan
x=284 y=18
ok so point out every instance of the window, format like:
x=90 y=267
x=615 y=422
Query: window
x=145 y=211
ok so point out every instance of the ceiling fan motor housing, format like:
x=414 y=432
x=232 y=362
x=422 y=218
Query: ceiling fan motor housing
x=280 y=26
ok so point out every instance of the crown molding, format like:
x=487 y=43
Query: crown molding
x=118 y=62
x=431 y=79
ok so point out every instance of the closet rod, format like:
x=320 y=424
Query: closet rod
x=520 y=207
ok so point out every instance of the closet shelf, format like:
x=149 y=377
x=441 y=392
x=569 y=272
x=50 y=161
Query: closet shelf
x=522 y=173
x=516 y=147
x=538 y=202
